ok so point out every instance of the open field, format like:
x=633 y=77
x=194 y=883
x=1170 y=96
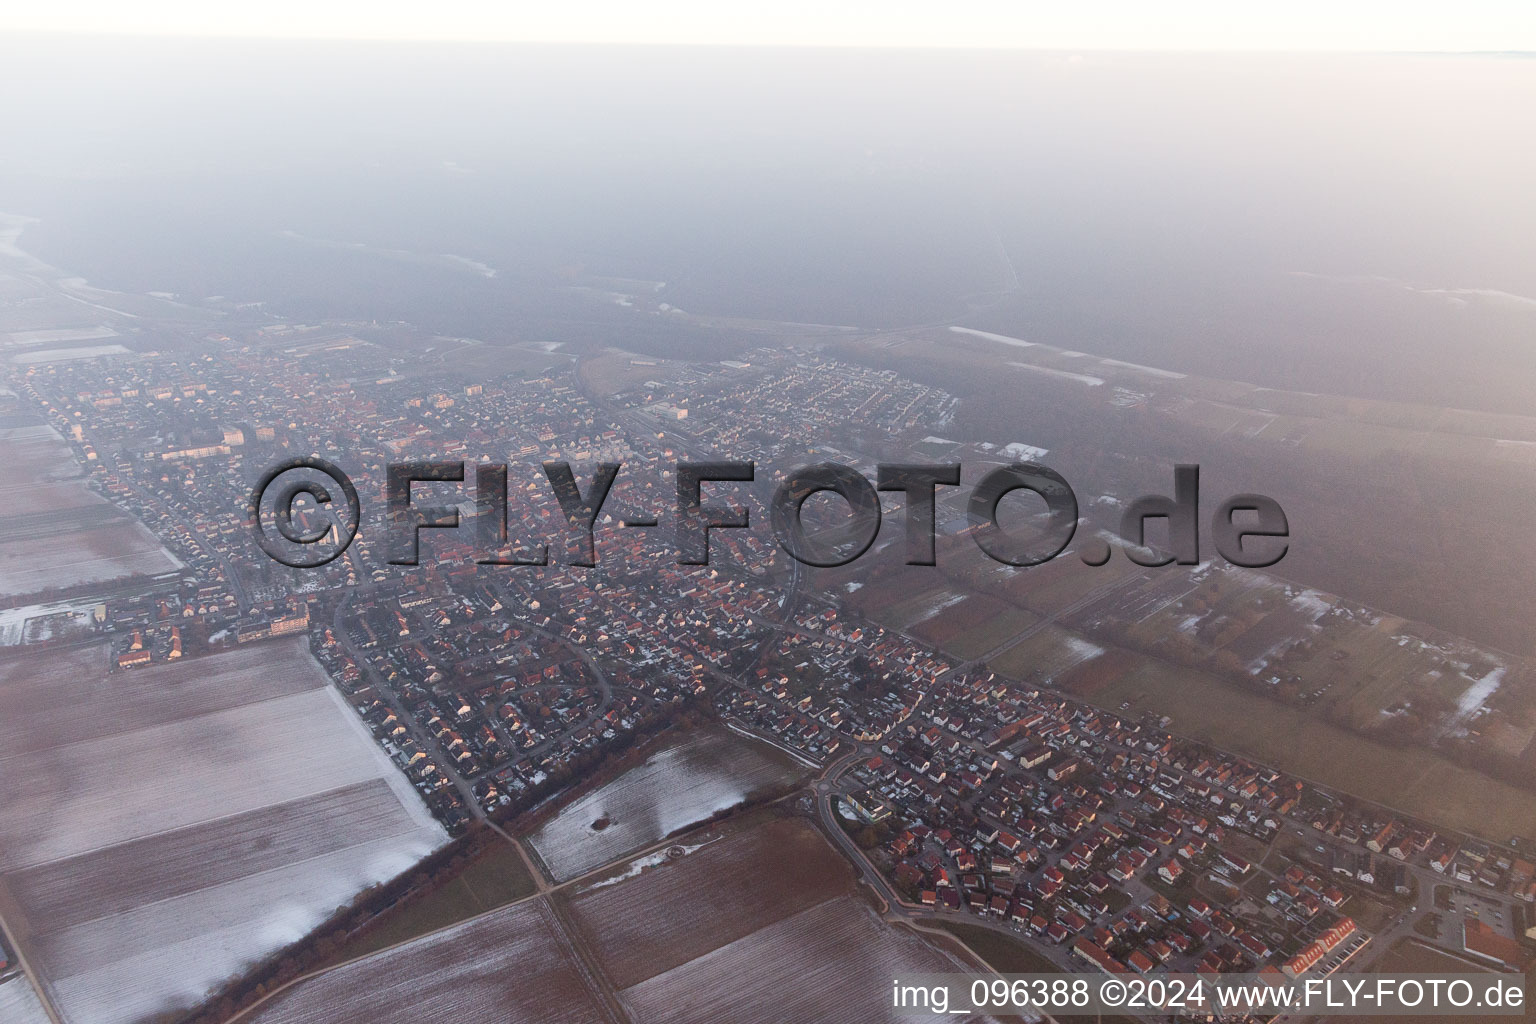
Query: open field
x=512 y=965
x=161 y=829
x=1043 y=589
x=49 y=620
x=66 y=697
x=791 y=868
x=682 y=783
x=767 y=926
x=752 y=919
x=1050 y=654
x=180 y=862
x=1356 y=667
x=1415 y=781
x=974 y=626
x=614 y=370
x=1412 y=957
x=497 y=878
x=1331 y=460
x=1007 y=955
x=830 y=962
x=918 y=604
x=19 y=1003
x=57 y=533
x=1002 y=953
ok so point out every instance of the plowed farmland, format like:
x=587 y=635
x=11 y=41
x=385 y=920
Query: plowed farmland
x=514 y=964
x=162 y=829
x=830 y=962
x=721 y=892
x=680 y=784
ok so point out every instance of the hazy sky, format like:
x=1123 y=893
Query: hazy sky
x=1109 y=24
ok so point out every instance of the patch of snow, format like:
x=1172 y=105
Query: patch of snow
x=947 y=601
x=1003 y=338
x=639 y=864
x=1153 y=370
x=1081 y=378
x=1313 y=601
x=60 y=335
x=60 y=355
x=1025 y=452
x=13 y=620
x=1082 y=649
x=1479 y=692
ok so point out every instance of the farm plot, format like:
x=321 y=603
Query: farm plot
x=1065 y=580
x=1409 y=956
x=680 y=784
x=51 y=620
x=974 y=626
x=1416 y=782
x=751 y=920
x=1047 y=656
x=42 y=474
x=497 y=878
x=725 y=889
x=833 y=961
x=49 y=702
x=57 y=533
x=515 y=964
x=115 y=879
x=923 y=604
x=162 y=829
x=1355 y=666
x=19 y=1003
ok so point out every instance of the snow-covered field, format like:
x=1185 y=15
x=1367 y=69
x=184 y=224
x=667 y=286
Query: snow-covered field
x=41 y=472
x=678 y=785
x=514 y=964
x=640 y=865
x=834 y=961
x=760 y=924
x=19 y=1003
x=56 y=532
x=59 y=355
x=1000 y=338
x=1153 y=370
x=80 y=558
x=65 y=615
x=769 y=926
x=1081 y=378
x=61 y=335
x=730 y=887
x=163 y=828
x=1480 y=691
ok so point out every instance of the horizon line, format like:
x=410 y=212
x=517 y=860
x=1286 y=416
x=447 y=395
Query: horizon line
x=129 y=34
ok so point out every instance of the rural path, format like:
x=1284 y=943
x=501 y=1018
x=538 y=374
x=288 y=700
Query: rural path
x=546 y=893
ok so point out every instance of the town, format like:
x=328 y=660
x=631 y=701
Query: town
x=1094 y=836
